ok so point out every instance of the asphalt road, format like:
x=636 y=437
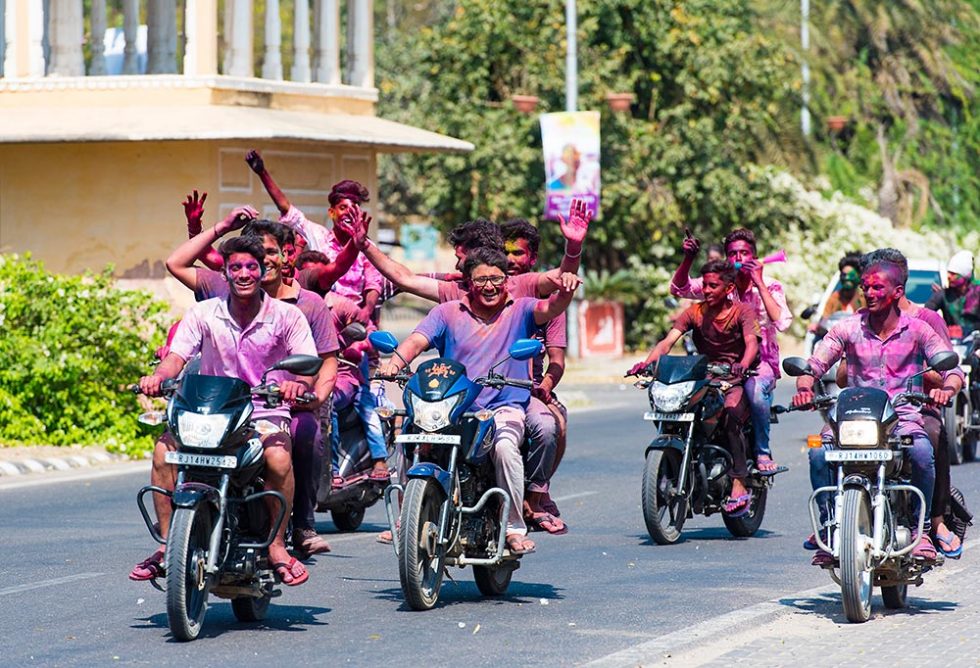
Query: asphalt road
x=66 y=548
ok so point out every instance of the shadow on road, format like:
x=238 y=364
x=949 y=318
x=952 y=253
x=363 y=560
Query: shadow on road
x=829 y=605
x=220 y=620
x=708 y=534
x=456 y=592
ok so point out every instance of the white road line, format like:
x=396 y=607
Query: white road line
x=569 y=497
x=48 y=583
x=54 y=478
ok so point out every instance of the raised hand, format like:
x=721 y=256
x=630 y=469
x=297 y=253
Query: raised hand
x=194 y=212
x=754 y=268
x=254 y=161
x=356 y=226
x=237 y=219
x=691 y=247
x=577 y=226
x=566 y=282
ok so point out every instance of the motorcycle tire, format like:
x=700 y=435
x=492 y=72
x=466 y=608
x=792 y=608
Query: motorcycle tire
x=492 y=580
x=187 y=583
x=746 y=525
x=955 y=431
x=895 y=597
x=420 y=560
x=855 y=572
x=663 y=514
x=251 y=609
x=347 y=520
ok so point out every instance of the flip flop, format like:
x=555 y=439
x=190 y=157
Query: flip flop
x=738 y=506
x=380 y=476
x=765 y=465
x=149 y=568
x=945 y=544
x=288 y=569
x=548 y=522
x=548 y=505
x=516 y=544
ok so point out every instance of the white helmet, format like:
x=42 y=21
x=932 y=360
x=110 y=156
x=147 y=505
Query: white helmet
x=961 y=263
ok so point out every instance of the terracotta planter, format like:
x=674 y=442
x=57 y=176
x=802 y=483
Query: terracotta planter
x=620 y=102
x=836 y=123
x=525 y=104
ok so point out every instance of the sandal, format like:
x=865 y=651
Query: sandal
x=150 y=568
x=293 y=570
x=547 y=522
x=308 y=542
x=766 y=465
x=337 y=482
x=946 y=543
x=739 y=505
x=380 y=474
x=518 y=544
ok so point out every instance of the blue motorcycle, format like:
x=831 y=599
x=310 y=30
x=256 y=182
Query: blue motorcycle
x=452 y=512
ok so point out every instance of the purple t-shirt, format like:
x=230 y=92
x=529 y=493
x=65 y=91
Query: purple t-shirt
x=552 y=335
x=458 y=334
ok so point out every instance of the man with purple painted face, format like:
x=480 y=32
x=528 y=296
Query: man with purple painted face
x=477 y=331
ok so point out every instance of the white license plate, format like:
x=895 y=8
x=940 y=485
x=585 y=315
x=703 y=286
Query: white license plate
x=670 y=417
x=188 y=459
x=860 y=455
x=448 y=439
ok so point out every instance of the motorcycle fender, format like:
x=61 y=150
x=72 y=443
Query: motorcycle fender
x=429 y=470
x=191 y=495
x=665 y=441
x=858 y=480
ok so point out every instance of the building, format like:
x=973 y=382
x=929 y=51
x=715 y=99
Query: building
x=94 y=166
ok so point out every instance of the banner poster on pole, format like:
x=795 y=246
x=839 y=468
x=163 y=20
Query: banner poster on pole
x=571 y=160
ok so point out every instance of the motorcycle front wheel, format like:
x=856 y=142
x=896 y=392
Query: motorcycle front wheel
x=746 y=525
x=187 y=581
x=855 y=557
x=663 y=511
x=420 y=558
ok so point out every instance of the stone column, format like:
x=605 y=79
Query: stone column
x=240 y=64
x=360 y=43
x=201 y=29
x=131 y=24
x=272 y=58
x=328 y=41
x=301 y=42
x=97 y=39
x=161 y=37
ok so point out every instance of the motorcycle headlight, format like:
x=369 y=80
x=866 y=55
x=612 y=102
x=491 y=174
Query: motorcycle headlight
x=433 y=415
x=201 y=431
x=857 y=433
x=670 y=398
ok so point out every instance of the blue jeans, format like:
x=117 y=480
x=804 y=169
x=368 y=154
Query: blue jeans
x=365 y=405
x=921 y=456
x=758 y=390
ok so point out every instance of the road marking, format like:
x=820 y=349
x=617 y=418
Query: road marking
x=53 y=478
x=569 y=497
x=48 y=583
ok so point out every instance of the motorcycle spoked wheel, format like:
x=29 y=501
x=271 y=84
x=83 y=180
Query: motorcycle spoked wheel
x=955 y=420
x=493 y=580
x=187 y=582
x=420 y=559
x=663 y=513
x=746 y=525
x=855 y=568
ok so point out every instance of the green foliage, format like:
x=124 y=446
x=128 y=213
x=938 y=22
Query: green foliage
x=69 y=345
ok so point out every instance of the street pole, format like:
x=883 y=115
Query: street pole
x=805 y=44
x=571 y=104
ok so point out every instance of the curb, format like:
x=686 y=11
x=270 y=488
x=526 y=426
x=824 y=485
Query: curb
x=10 y=468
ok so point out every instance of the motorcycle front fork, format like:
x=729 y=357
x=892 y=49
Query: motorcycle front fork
x=685 y=461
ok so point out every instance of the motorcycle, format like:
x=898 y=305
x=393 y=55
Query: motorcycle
x=870 y=532
x=358 y=492
x=962 y=418
x=686 y=470
x=452 y=513
x=220 y=531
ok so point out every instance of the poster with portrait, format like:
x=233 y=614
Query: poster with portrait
x=571 y=160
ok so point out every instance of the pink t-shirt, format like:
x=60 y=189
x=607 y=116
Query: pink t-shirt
x=277 y=331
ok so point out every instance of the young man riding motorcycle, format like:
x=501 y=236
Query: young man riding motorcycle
x=477 y=331
x=884 y=347
x=726 y=332
x=766 y=297
x=240 y=337
x=960 y=302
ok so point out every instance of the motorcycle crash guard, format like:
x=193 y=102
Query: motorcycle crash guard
x=429 y=470
x=192 y=494
x=665 y=441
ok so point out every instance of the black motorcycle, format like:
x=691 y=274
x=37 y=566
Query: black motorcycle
x=220 y=531
x=962 y=417
x=872 y=520
x=453 y=512
x=686 y=471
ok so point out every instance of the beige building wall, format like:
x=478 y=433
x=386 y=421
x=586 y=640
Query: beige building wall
x=81 y=206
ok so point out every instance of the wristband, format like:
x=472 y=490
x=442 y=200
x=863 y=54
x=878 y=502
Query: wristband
x=570 y=256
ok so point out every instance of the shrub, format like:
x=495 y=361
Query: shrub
x=69 y=346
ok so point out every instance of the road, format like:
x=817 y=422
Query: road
x=66 y=548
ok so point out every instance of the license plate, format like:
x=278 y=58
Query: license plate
x=448 y=439
x=860 y=455
x=214 y=461
x=669 y=417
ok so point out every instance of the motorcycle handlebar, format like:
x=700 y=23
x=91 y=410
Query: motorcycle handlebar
x=397 y=378
x=918 y=398
x=500 y=381
x=167 y=387
x=817 y=403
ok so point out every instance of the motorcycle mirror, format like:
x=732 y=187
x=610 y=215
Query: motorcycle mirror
x=944 y=361
x=301 y=365
x=808 y=313
x=796 y=366
x=354 y=332
x=383 y=341
x=524 y=349
x=670 y=302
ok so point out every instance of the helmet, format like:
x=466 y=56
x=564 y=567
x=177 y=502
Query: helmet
x=961 y=263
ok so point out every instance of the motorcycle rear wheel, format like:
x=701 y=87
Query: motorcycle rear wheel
x=347 y=520
x=663 y=513
x=420 y=560
x=895 y=597
x=746 y=525
x=955 y=419
x=855 y=570
x=187 y=583
x=492 y=580
x=251 y=609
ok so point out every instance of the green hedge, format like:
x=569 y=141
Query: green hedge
x=69 y=345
